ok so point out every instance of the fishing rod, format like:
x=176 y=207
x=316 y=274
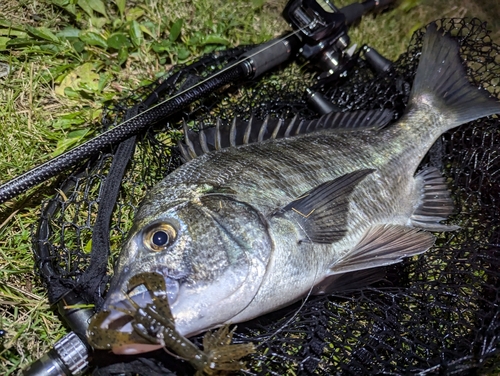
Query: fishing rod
x=319 y=36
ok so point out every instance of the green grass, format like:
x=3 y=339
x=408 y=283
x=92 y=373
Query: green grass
x=68 y=57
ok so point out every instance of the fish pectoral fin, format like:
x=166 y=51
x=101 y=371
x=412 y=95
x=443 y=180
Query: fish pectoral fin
x=383 y=245
x=435 y=201
x=322 y=212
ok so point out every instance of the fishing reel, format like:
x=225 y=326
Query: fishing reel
x=322 y=27
x=322 y=30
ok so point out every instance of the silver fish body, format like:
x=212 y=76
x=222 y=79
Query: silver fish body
x=245 y=230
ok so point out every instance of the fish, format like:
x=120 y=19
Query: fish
x=263 y=214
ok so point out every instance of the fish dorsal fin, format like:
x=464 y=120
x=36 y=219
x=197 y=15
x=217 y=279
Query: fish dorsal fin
x=435 y=201
x=241 y=132
x=383 y=245
x=322 y=212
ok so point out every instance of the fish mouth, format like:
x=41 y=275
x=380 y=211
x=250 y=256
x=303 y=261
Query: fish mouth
x=113 y=327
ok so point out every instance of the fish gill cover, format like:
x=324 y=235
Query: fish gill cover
x=434 y=314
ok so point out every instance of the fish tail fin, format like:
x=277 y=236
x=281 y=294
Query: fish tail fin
x=441 y=81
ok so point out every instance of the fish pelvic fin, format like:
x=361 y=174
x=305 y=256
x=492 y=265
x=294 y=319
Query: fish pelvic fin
x=441 y=82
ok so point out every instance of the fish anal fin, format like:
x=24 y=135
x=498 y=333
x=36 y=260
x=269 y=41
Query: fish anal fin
x=322 y=212
x=435 y=203
x=383 y=245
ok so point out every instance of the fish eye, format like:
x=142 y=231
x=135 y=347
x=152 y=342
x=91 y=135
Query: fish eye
x=159 y=236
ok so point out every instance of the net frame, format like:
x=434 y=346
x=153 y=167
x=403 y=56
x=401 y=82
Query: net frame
x=437 y=313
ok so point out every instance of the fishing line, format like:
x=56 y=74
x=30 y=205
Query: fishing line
x=217 y=74
x=304 y=301
x=288 y=322
x=204 y=80
x=171 y=353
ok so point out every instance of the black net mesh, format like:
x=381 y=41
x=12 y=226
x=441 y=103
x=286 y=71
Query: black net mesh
x=435 y=314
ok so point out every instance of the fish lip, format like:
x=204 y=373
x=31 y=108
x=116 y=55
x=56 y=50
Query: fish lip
x=121 y=306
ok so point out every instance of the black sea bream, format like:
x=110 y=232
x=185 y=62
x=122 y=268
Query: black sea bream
x=247 y=229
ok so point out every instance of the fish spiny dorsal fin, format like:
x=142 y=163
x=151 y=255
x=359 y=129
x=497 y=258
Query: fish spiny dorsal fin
x=298 y=130
x=291 y=125
x=240 y=132
x=217 y=135
x=232 y=133
x=311 y=126
x=203 y=142
x=263 y=129
x=190 y=151
x=277 y=129
x=248 y=129
x=184 y=153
